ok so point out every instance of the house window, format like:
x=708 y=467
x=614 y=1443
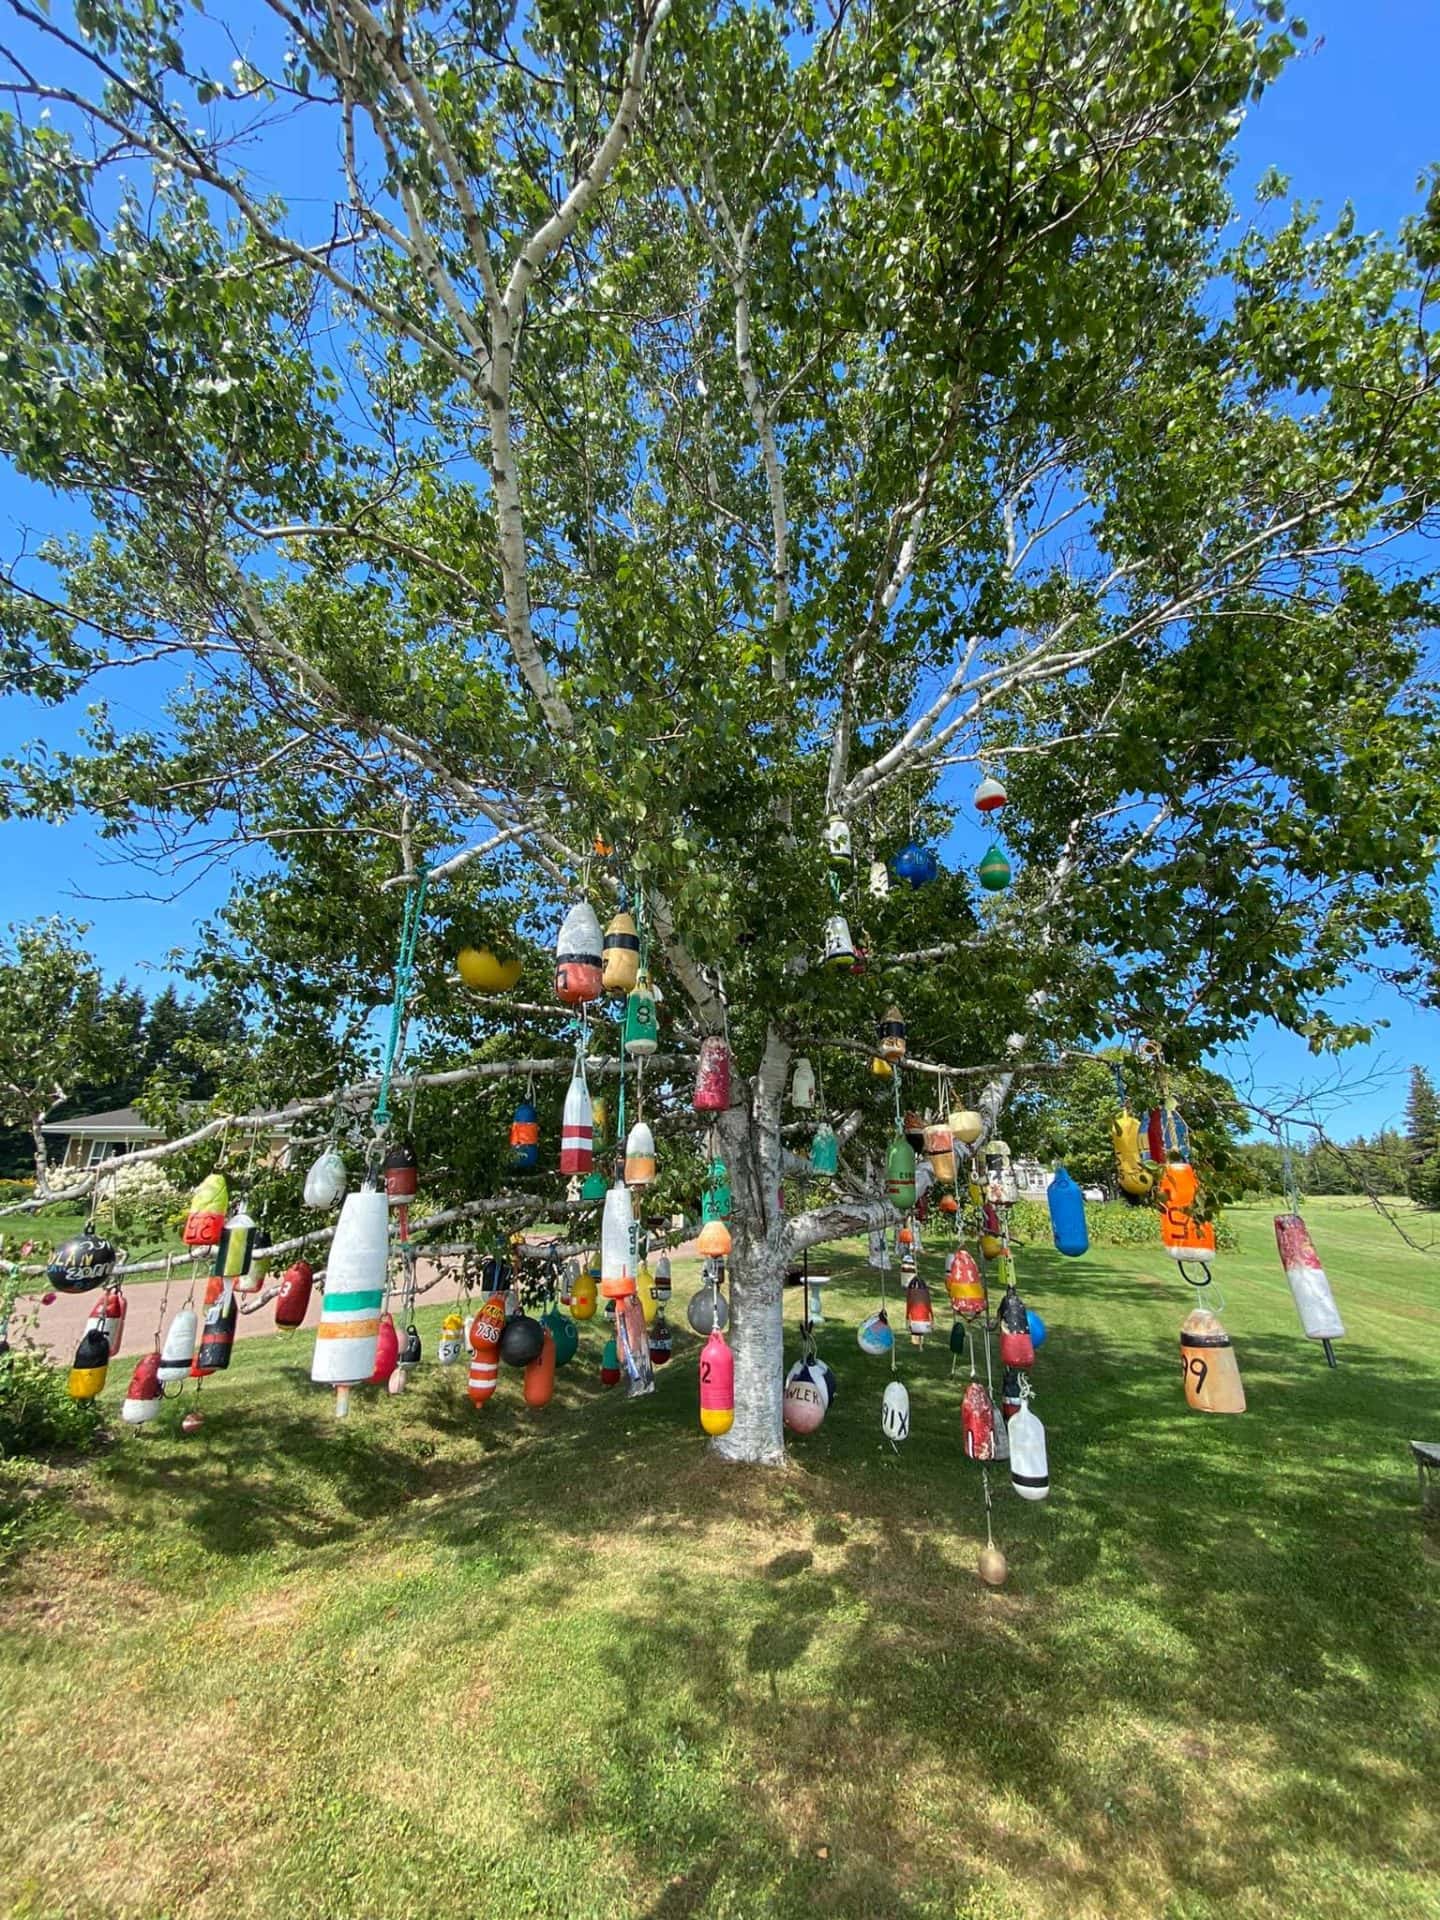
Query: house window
x=99 y=1150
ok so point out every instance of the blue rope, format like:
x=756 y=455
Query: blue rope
x=404 y=973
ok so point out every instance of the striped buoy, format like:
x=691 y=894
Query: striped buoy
x=621 y=954
x=217 y=1327
x=485 y=1331
x=142 y=1396
x=578 y=952
x=639 y=1156
x=178 y=1348
x=354 y=1292
x=577 y=1127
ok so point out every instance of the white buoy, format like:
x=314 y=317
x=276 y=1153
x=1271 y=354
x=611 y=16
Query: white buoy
x=1314 y=1302
x=345 y=1340
x=325 y=1182
x=1029 y=1463
x=178 y=1349
x=895 y=1413
x=617 y=1243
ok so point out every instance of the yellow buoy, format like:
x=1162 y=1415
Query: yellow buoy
x=483 y=971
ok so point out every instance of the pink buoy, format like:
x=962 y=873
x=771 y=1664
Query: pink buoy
x=712 y=1076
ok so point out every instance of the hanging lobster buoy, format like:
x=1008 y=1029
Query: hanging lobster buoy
x=892 y=1035
x=617 y=1244
x=1038 y=1329
x=875 y=1336
x=178 y=1348
x=1208 y=1364
x=837 y=839
x=621 y=954
x=1167 y=1136
x=217 y=1328
x=205 y=1221
x=990 y=796
x=992 y=1566
x=966 y=1126
x=521 y=1340
x=825 y=1150
x=707 y=1311
x=645 y=1288
x=717 y=1385
x=900 y=1173
x=977 y=1422
x=639 y=1156
x=92 y=1359
x=107 y=1318
x=354 y=1292
x=1017 y=1349
x=258 y=1272
x=1029 y=1461
x=486 y=1329
x=1067 y=1215
x=919 y=1314
x=387 y=1351
x=237 y=1242
x=805 y=1400
x=662 y=1279
x=401 y=1172
x=525 y=1138
x=913 y=1128
x=610 y=1364
x=1182 y=1235
x=583 y=1293
x=994 y=870
x=712 y=1076
x=895 y=1413
x=600 y=1120
x=878 y=880
x=839 y=949
x=714 y=1241
x=916 y=864
x=565 y=1335
x=82 y=1264
x=661 y=1344
x=483 y=971
x=452 y=1340
x=577 y=1127
x=142 y=1396
x=539 y=1384
x=1134 y=1181
x=292 y=1303
x=411 y=1351
x=1314 y=1302
x=802 y=1084
x=642 y=1028
x=578 y=951
x=632 y=1344
x=940 y=1151
x=325 y=1182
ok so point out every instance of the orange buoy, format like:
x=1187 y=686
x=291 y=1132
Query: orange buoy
x=1184 y=1237
x=964 y=1285
x=485 y=1331
x=540 y=1374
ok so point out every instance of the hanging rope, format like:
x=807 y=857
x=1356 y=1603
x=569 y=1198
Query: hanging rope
x=404 y=971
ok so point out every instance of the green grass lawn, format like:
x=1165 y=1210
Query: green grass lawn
x=434 y=1662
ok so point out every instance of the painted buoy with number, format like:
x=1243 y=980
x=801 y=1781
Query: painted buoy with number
x=292 y=1303
x=1208 y=1364
x=205 y=1221
x=717 y=1385
x=484 y=1336
x=452 y=1340
x=81 y=1264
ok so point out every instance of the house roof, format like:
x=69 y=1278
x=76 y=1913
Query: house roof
x=120 y=1123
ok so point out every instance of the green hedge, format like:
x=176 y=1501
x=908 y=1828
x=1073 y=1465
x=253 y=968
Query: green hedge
x=1111 y=1223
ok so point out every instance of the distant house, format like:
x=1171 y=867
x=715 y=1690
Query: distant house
x=92 y=1137
x=1031 y=1179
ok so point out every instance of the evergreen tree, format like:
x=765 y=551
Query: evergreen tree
x=1422 y=1139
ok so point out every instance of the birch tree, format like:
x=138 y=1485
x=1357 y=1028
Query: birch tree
x=679 y=425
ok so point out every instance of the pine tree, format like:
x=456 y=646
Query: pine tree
x=1422 y=1139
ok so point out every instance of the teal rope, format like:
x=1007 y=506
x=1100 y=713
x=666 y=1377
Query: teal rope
x=404 y=973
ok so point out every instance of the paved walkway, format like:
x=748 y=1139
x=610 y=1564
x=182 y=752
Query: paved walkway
x=63 y=1321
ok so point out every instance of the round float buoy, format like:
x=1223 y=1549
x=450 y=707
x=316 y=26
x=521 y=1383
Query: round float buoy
x=81 y=1264
x=521 y=1340
x=992 y=1566
x=875 y=1336
x=482 y=970
x=805 y=1400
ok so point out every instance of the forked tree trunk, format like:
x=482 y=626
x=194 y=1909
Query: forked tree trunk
x=750 y=1137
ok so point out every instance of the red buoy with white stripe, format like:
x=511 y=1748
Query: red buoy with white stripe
x=485 y=1331
x=142 y=1396
x=577 y=1127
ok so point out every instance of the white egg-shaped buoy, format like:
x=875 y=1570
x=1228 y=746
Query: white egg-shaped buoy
x=806 y=1398
x=1314 y=1302
x=325 y=1182
x=895 y=1413
x=178 y=1349
x=1029 y=1462
x=348 y=1335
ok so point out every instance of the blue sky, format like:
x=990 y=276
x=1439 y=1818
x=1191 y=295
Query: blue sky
x=1354 y=119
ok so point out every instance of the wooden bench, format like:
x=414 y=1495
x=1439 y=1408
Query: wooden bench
x=1427 y=1465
